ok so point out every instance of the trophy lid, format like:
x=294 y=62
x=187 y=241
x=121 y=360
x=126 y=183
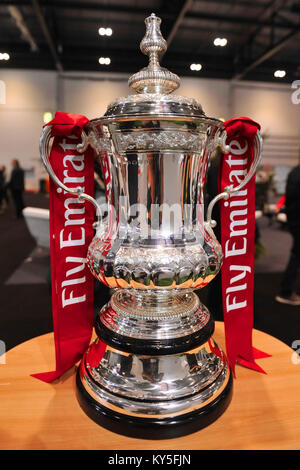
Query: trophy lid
x=154 y=84
x=153 y=78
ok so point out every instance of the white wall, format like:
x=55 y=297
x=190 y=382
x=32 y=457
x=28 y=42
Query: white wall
x=30 y=93
x=269 y=105
x=212 y=94
x=89 y=96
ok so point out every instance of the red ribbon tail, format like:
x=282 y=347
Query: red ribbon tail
x=49 y=377
x=250 y=362
x=250 y=365
x=257 y=354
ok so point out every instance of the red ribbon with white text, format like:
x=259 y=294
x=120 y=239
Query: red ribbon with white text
x=71 y=231
x=237 y=216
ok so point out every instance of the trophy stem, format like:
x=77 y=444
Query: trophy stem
x=154 y=322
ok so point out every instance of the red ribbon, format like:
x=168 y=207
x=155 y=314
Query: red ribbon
x=238 y=240
x=71 y=231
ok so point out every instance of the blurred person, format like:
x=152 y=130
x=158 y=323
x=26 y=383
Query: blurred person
x=5 y=201
x=16 y=186
x=287 y=294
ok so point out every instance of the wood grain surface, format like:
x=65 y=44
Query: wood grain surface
x=264 y=412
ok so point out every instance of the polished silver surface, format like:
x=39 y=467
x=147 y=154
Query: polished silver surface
x=154 y=236
x=153 y=246
x=154 y=78
x=160 y=386
x=153 y=84
x=152 y=104
x=157 y=149
x=149 y=316
x=154 y=149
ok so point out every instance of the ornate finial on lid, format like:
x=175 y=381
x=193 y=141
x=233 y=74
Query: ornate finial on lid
x=154 y=78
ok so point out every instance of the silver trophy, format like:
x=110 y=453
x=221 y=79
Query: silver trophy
x=162 y=374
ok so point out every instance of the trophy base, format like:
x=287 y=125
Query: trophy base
x=154 y=397
x=154 y=428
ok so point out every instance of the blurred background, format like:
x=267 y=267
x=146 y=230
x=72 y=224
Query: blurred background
x=236 y=57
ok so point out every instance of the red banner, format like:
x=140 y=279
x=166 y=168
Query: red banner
x=71 y=231
x=238 y=242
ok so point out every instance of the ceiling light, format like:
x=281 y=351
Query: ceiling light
x=196 y=67
x=105 y=31
x=4 y=56
x=279 y=73
x=104 y=60
x=220 y=42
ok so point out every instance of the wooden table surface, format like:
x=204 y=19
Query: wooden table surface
x=264 y=412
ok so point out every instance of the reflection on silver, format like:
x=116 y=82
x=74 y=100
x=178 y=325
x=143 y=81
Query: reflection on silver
x=150 y=317
x=154 y=78
x=143 y=249
x=172 y=385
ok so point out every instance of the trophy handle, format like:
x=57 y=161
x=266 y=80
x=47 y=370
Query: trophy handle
x=221 y=141
x=44 y=152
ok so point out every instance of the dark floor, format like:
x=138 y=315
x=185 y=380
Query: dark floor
x=281 y=321
x=25 y=309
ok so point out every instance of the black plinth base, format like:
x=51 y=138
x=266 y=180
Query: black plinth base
x=144 y=428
